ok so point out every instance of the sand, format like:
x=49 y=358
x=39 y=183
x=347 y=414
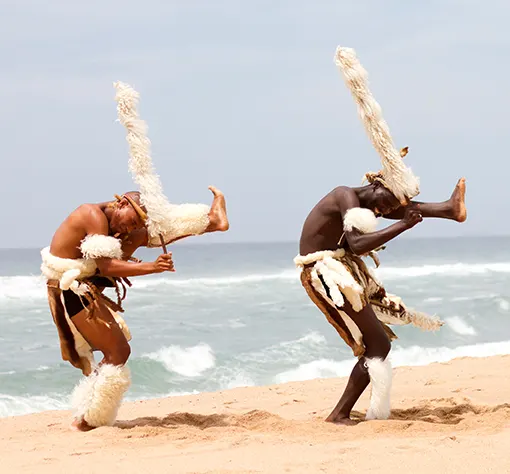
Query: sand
x=447 y=418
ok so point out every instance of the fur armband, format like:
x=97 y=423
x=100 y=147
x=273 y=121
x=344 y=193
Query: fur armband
x=101 y=246
x=360 y=219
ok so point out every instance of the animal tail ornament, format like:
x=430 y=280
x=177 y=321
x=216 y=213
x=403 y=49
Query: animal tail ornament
x=140 y=161
x=395 y=175
x=166 y=222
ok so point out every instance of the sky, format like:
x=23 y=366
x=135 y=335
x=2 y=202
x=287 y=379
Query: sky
x=246 y=96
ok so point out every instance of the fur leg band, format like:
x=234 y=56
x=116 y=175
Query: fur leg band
x=97 y=398
x=380 y=377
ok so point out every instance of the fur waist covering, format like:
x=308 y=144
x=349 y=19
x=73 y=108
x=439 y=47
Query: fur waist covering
x=73 y=347
x=330 y=277
x=186 y=220
x=70 y=271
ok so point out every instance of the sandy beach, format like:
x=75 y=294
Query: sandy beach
x=449 y=417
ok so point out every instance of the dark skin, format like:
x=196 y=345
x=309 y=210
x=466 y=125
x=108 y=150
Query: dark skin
x=108 y=218
x=323 y=229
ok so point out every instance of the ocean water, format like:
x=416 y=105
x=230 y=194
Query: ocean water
x=236 y=315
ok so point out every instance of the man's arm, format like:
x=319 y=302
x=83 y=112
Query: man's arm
x=362 y=243
x=97 y=224
x=120 y=268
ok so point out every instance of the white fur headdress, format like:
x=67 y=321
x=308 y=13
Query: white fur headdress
x=140 y=162
x=165 y=222
x=395 y=175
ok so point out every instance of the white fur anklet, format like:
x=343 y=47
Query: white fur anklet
x=380 y=376
x=97 y=398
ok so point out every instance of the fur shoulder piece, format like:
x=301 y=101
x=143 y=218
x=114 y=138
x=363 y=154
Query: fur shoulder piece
x=101 y=246
x=360 y=219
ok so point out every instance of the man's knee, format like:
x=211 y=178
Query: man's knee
x=377 y=342
x=118 y=355
x=378 y=347
x=385 y=346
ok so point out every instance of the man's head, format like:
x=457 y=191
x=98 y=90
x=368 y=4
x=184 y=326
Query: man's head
x=381 y=200
x=128 y=214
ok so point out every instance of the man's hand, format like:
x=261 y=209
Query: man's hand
x=412 y=217
x=164 y=263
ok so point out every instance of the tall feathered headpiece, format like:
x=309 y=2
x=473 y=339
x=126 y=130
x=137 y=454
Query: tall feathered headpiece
x=395 y=175
x=165 y=221
x=140 y=162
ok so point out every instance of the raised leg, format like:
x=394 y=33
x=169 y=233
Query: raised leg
x=452 y=209
x=377 y=345
x=216 y=217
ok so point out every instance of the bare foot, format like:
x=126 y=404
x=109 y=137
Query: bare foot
x=218 y=220
x=457 y=201
x=81 y=425
x=342 y=421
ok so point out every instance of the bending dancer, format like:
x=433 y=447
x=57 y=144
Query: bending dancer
x=88 y=253
x=341 y=229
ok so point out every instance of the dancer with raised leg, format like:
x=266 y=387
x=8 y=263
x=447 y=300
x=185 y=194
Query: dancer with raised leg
x=341 y=229
x=90 y=251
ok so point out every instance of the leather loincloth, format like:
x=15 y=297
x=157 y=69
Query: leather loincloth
x=73 y=347
x=331 y=277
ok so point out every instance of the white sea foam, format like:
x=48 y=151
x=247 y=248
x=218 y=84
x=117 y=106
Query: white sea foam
x=22 y=405
x=487 y=296
x=321 y=368
x=239 y=379
x=504 y=305
x=22 y=287
x=187 y=361
x=409 y=356
x=453 y=269
x=311 y=338
x=458 y=325
x=433 y=299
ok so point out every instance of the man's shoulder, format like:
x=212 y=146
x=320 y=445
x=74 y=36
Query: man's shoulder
x=343 y=192
x=343 y=189
x=344 y=198
x=89 y=211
